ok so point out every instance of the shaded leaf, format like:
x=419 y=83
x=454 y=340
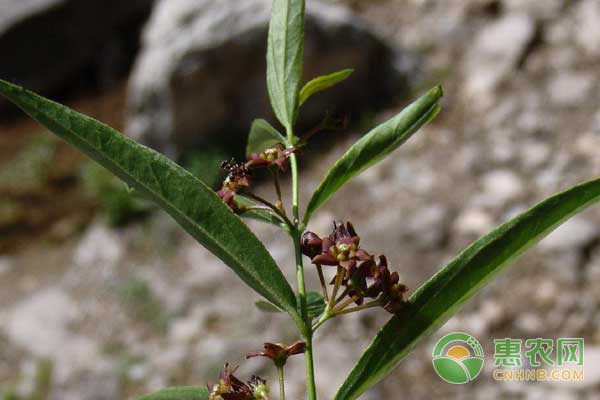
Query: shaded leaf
x=267 y=307
x=178 y=393
x=259 y=215
x=315 y=304
x=262 y=136
x=323 y=82
x=188 y=200
x=285 y=53
x=375 y=146
x=442 y=296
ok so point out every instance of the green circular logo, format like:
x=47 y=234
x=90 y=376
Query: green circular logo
x=458 y=358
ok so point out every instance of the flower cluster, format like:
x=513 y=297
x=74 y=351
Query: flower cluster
x=239 y=174
x=358 y=271
x=238 y=177
x=231 y=388
x=277 y=155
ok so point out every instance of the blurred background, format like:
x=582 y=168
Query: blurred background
x=102 y=296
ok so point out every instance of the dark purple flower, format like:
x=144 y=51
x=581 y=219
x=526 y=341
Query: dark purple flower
x=238 y=177
x=279 y=352
x=231 y=388
x=276 y=155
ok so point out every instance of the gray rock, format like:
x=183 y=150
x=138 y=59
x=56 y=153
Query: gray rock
x=500 y=187
x=569 y=88
x=587 y=29
x=41 y=324
x=201 y=72
x=63 y=38
x=473 y=222
x=496 y=52
x=573 y=234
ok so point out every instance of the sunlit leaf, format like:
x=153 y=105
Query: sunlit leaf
x=323 y=82
x=285 y=53
x=375 y=146
x=443 y=295
x=188 y=200
x=262 y=136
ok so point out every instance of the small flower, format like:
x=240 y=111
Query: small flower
x=259 y=387
x=231 y=388
x=279 y=352
x=238 y=177
x=276 y=155
x=386 y=286
x=339 y=249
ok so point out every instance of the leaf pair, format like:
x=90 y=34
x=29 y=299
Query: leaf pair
x=188 y=200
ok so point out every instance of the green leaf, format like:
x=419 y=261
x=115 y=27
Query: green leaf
x=315 y=304
x=262 y=136
x=178 y=393
x=375 y=146
x=442 y=296
x=188 y=200
x=323 y=82
x=267 y=307
x=259 y=215
x=285 y=53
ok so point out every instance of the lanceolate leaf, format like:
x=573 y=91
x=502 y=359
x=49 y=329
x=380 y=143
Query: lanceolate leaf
x=260 y=215
x=179 y=393
x=188 y=200
x=323 y=82
x=315 y=304
x=285 y=53
x=443 y=295
x=262 y=136
x=375 y=146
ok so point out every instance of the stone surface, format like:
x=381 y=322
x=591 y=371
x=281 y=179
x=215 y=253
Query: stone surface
x=67 y=39
x=451 y=183
x=573 y=234
x=496 y=51
x=202 y=70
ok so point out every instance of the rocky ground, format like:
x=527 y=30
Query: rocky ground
x=121 y=311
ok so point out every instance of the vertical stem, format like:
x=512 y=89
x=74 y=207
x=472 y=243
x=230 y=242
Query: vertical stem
x=281 y=382
x=296 y=237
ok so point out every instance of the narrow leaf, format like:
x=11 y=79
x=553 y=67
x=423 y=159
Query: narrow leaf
x=323 y=82
x=443 y=295
x=178 y=393
x=375 y=146
x=188 y=200
x=315 y=304
x=262 y=136
x=285 y=53
x=260 y=215
x=267 y=307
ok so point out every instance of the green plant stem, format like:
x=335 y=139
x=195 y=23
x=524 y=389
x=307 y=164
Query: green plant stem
x=375 y=303
x=338 y=281
x=281 y=382
x=272 y=207
x=323 y=284
x=296 y=237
